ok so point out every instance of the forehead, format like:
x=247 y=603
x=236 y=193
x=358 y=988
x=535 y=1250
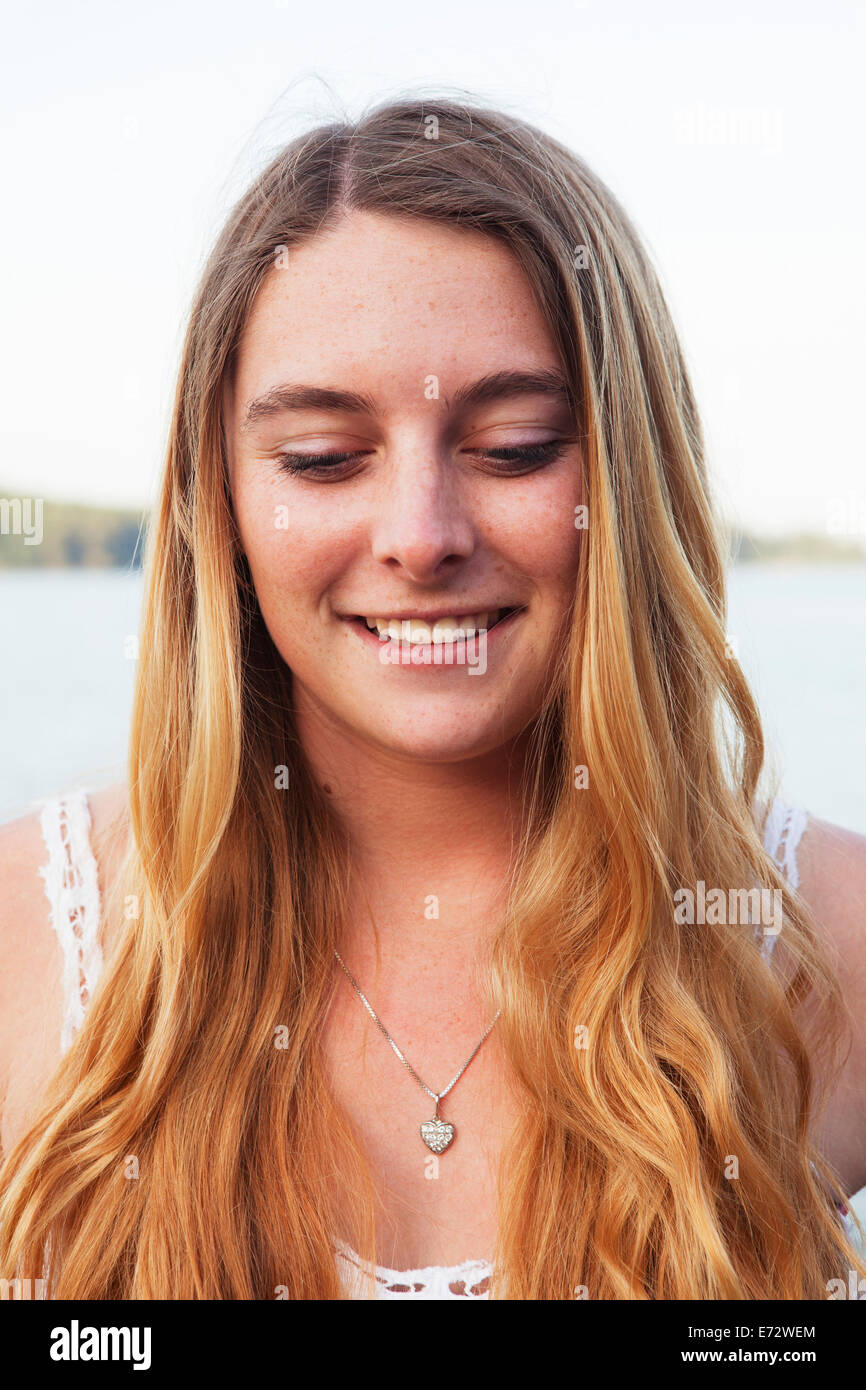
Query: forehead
x=380 y=291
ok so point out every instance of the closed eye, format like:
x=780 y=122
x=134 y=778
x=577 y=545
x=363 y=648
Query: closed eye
x=517 y=458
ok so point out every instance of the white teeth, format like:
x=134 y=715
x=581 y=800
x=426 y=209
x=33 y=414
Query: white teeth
x=443 y=630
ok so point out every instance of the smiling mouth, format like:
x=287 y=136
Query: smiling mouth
x=417 y=631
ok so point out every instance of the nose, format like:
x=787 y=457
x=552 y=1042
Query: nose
x=422 y=524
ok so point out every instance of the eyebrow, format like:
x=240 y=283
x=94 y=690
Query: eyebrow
x=492 y=387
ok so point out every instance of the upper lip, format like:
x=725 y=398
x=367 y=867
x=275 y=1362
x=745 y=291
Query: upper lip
x=433 y=614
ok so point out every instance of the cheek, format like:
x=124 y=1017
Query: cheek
x=533 y=532
x=291 y=549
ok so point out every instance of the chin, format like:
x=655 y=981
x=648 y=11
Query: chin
x=445 y=741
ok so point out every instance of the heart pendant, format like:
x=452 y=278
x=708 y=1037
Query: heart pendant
x=437 y=1134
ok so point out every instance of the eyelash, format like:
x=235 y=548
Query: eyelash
x=520 y=454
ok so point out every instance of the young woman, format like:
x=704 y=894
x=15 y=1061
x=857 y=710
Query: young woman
x=435 y=732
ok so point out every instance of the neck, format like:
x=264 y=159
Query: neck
x=427 y=838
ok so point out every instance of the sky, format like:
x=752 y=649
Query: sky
x=733 y=135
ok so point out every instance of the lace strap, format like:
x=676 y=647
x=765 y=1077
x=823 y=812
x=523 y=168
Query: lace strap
x=784 y=827
x=72 y=889
x=782 y=832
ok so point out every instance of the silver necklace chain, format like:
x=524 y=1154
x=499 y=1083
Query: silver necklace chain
x=380 y=1025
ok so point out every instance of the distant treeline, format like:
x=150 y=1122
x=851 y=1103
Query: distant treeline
x=807 y=548
x=37 y=533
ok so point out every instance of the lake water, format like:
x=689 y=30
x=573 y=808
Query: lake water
x=67 y=680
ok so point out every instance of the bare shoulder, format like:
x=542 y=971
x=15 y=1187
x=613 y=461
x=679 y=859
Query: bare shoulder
x=31 y=1001
x=832 y=869
x=31 y=960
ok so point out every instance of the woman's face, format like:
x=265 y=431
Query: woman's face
x=412 y=353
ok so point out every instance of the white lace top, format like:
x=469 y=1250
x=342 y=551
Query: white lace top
x=72 y=888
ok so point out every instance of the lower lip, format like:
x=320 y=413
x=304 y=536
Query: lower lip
x=472 y=645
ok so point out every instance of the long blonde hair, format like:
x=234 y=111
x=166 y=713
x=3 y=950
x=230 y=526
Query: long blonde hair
x=618 y=1180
